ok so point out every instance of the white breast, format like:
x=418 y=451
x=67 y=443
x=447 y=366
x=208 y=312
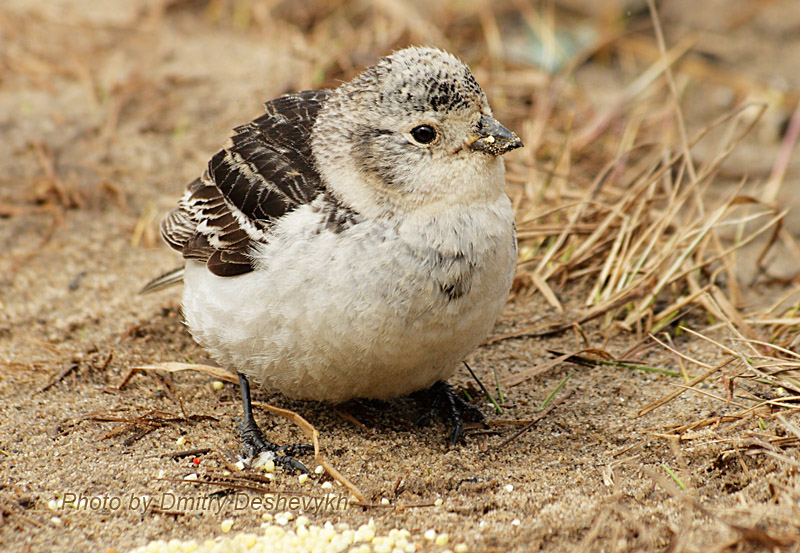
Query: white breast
x=367 y=312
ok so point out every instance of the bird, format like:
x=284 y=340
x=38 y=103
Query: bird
x=354 y=242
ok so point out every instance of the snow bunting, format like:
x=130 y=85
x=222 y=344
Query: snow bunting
x=352 y=243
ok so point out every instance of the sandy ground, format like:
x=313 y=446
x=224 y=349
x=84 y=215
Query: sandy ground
x=108 y=109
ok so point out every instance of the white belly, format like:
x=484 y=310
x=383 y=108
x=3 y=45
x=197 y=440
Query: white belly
x=363 y=313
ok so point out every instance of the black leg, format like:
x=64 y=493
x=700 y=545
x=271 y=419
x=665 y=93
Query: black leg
x=254 y=441
x=444 y=400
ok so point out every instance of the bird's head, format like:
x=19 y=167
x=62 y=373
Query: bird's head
x=411 y=131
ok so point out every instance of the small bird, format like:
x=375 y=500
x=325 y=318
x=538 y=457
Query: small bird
x=351 y=243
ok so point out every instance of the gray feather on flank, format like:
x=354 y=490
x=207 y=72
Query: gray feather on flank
x=175 y=276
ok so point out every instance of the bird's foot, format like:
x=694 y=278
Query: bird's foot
x=445 y=401
x=255 y=445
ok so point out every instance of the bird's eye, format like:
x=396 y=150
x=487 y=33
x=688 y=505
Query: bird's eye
x=424 y=134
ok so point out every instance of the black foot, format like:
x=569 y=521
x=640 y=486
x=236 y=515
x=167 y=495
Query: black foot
x=255 y=443
x=444 y=400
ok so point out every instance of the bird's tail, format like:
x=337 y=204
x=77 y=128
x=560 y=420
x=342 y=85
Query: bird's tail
x=166 y=280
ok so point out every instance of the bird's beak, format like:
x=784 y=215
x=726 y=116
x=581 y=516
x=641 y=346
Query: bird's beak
x=493 y=138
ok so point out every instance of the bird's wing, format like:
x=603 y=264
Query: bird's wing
x=266 y=171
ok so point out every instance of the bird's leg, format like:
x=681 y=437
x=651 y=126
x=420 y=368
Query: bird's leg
x=445 y=400
x=254 y=441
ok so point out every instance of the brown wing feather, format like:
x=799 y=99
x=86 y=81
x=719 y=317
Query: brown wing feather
x=266 y=171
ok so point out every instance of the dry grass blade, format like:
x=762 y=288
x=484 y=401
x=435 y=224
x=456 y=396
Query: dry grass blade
x=538 y=370
x=173 y=367
x=309 y=430
x=672 y=395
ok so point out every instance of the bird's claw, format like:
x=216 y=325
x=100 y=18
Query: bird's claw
x=446 y=401
x=255 y=443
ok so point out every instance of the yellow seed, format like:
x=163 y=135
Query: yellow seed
x=217 y=385
x=226 y=525
x=442 y=539
x=267 y=465
x=302 y=520
x=461 y=548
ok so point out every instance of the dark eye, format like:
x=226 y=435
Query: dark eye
x=424 y=134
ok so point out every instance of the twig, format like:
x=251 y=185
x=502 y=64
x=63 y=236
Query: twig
x=188 y=453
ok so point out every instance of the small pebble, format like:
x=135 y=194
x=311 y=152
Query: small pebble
x=509 y=488
x=430 y=535
x=327 y=485
x=516 y=522
x=442 y=539
x=303 y=478
x=384 y=501
x=192 y=476
x=56 y=521
x=319 y=470
x=181 y=440
x=439 y=501
x=461 y=548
